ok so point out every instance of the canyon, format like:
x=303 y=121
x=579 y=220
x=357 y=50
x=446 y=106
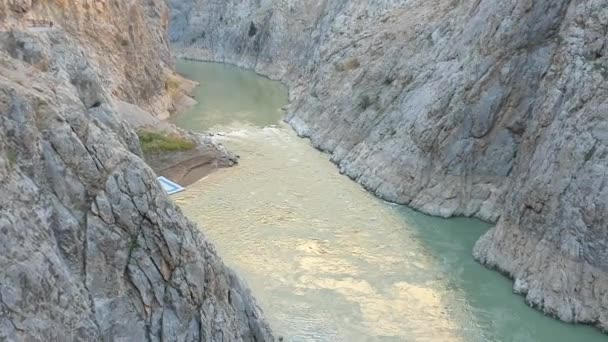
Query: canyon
x=495 y=110
x=477 y=108
x=332 y=261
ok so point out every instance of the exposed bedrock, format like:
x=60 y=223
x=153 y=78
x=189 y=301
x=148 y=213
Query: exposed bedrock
x=492 y=109
x=90 y=247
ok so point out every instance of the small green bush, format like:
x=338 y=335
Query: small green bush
x=158 y=142
x=365 y=102
x=133 y=244
x=12 y=157
x=172 y=85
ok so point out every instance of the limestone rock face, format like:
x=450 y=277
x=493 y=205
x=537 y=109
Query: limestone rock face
x=125 y=41
x=91 y=248
x=492 y=109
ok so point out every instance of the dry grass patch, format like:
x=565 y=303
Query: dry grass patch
x=349 y=64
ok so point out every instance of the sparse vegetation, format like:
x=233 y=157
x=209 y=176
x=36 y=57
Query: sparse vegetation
x=349 y=64
x=601 y=66
x=154 y=142
x=352 y=63
x=122 y=39
x=133 y=244
x=252 y=30
x=12 y=157
x=42 y=65
x=172 y=85
x=388 y=80
x=365 y=101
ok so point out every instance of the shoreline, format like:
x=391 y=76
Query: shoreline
x=185 y=166
x=510 y=274
x=188 y=167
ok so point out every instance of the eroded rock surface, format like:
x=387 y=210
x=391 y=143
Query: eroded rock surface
x=493 y=109
x=90 y=247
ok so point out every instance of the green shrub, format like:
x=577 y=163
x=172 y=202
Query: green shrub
x=133 y=244
x=12 y=157
x=159 y=142
x=365 y=101
x=172 y=85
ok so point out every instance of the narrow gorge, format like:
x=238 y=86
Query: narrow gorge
x=331 y=261
x=469 y=110
x=496 y=110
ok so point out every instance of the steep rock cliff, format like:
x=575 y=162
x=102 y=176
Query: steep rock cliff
x=493 y=109
x=90 y=247
x=125 y=41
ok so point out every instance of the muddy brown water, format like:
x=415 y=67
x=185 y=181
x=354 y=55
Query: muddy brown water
x=327 y=260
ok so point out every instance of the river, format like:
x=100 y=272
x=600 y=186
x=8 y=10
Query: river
x=328 y=261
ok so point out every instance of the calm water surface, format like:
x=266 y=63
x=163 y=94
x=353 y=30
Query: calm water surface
x=224 y=89
x=327 y=260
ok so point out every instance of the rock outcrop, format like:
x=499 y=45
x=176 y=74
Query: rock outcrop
x=492 y=109
x=91 y=248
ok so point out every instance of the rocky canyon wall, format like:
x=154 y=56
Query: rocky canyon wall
x=90 y=247
x=492 y=109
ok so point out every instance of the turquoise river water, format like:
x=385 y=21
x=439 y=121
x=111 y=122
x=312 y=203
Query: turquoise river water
x=328 y=261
